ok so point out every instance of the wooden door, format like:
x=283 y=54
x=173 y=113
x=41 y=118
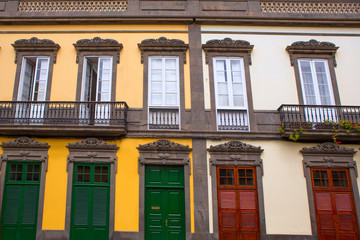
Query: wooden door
x=237 y=203
x=334 y=204
x=90 y=202
x=20 y=202
x=164 y=203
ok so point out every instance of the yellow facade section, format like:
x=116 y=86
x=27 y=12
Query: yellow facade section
x=126 y=185
x=130 y=74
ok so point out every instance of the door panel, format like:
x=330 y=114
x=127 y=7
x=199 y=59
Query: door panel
x=164 y=203
x=334 y=206
x=237 y=203
x=20 y=202
x=90 y=203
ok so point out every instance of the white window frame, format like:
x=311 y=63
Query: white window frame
x=97 y=79
x=163 y=105
x=315 y=80
x=230 y=87
x=22 y=76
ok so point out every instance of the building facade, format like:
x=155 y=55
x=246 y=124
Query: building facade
x=179 y=119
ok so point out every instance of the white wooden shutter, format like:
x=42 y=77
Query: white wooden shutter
x=24 y=93
x=104 y=79
x=40 y=79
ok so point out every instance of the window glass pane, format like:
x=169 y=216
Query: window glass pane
x=101 y=174
x=155 y=75
x=246 y=177
x=83 y=173
x=226 y=177
x=171 y=99
x=320 y=178
x=15 y=172
x=339 y=178
x=170 y=63
x=156 y=63
x=170 y=75
x=156 y=99
x=223 y=100
x=171 y=87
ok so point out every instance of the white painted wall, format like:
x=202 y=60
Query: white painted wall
x=272 y=76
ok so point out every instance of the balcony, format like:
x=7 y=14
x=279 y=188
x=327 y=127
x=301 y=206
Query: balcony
x=164 y=118
x=232 y=120
x=320 y=122
x=55 y=118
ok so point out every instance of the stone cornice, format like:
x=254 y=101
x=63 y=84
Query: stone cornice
x=93 y=144
x=24 y=142
x=165 y=45
x=226 y=46
x=235 y=146
x=328 y=148
x=312 y=48
x=35 y=45
x=98 y=44
x=164 y=145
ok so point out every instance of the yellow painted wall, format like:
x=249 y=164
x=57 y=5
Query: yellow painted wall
x=129 y=83
x=126 y=186
x=284 y=186
x=272 y=76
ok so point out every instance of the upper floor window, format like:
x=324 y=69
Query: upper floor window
x=33 y=79
x=164 y=87
x=35 y=58
x=314 y=64
x=315 y=82
x=229 y=62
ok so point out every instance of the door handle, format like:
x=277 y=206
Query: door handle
x=166 y=222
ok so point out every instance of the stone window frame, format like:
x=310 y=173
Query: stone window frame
x=329 y=155
x=228 y=47
x=91 y=150
x=34 y=47
x=24 y=149
x=237 y=153
x=164 y=152
x=163 y=47
x=97 y=47
x=314 y=49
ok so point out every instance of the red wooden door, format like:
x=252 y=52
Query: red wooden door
x=334 y=204
x=237 y=203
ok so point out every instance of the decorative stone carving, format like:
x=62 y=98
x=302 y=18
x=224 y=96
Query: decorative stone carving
x=311 y=48
x=165 y=45
x=227 y=45
x=310 y=7
x=35 y=45
x=235 y=146
x=328 y=148
x=92 y=143
x=72 y=6
x=24 y=142
x=163 y=145
x=98 y=44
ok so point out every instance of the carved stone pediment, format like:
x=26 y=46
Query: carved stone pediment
x=92 y=143
x=235 y=146
x=163 y=145
x=312 y=48
x=312 y=44
x=98 y=44
x=328 y=148
x=35 y=45
x=24 y=142
x=227 y=46
x=163 y=45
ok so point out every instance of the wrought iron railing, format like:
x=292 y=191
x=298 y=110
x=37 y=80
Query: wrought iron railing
x=160 y=118
x=63 y=113
x=317 y=116
x=232 y=119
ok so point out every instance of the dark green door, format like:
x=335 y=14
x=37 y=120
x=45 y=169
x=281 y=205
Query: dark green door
x=164 y=203
x=20 y=201
x=90 y=202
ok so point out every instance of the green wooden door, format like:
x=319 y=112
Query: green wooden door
x=90 y=202
x=20 y=201
x=164 y=203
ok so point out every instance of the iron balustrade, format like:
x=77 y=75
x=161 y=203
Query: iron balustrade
x=63 y=113
x=164 y=118
x=232 y=119
x=317 y=116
